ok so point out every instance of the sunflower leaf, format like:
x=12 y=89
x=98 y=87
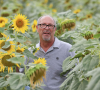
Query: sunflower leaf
x=28 y=54
x=1 y=29
x=17 y=60
x=7 y=44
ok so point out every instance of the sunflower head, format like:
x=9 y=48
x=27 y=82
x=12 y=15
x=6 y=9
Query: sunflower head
x=20 y=23
x=89 y=16
x=4 y=63
x=10 y=48
x=3 y=21
x=68 y=24
x=40 y=60
x=34 y=25
x=77 y=11
x=36 y=74
x=88 y=35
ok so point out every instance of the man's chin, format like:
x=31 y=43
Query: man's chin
x=46 y=38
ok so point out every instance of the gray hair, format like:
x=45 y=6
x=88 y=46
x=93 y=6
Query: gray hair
x=44 y=16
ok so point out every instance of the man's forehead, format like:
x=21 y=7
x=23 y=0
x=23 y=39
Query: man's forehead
x=46 y=19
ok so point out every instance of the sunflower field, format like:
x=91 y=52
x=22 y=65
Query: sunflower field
x=77 y=23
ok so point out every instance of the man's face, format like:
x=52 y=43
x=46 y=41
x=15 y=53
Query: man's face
x=46 y=33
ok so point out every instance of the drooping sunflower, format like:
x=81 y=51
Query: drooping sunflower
x=10 y=48
x=3 y=21
x=37 y=72
x=4 y=63
x=20 y=23
x=34 y=25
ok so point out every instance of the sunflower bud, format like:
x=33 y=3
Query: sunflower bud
x=88 y=35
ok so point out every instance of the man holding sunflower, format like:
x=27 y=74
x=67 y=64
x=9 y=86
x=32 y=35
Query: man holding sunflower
x=53 y=50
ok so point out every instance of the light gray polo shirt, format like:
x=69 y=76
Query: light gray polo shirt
x=55 y=56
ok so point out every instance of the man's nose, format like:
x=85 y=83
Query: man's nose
x=47 y=27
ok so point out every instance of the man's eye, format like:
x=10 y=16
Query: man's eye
x=50 y=25
x=43 y=24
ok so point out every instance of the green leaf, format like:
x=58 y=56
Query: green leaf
x=20 y=39
x=2 y=82
x=68 y=64
x=1 y=30
x=17 y=60
x=66 y=81
x=89 y=62
x=7 y=44
x=75 y=83
x=15 y=80
x=96 y=35
x=83 y=85
x=94 y=83
x=28 y=54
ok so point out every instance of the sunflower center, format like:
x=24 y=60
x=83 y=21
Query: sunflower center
x=1 y=35
x=19 y=23
x=19 y=51
x=5 y=62
x=6 y=49
x=1 y=21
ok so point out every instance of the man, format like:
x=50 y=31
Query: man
x=53 y=50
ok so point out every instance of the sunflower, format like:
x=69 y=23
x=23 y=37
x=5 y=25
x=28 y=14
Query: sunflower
x=89 y=16
x=37 y=72
x=4 y=63
x=50 y=5
x=40 y=60
x=20 y=50
x=54 y=10
x=34 y=25
x=3 y=35
x=77 y=11
x=3 y=21
x=9 y=49
x=20 y=23
x=35 y=50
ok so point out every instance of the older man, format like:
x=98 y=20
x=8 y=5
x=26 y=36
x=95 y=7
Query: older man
x=53 y=50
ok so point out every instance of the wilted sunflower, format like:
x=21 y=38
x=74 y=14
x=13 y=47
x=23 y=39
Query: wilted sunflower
x=20 y=23
x=10 y=48
x=34 y=25
x=3 y=21
x=4 y=63
x=37 y=72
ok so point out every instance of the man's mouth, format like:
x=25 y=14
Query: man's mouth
x=46 y=33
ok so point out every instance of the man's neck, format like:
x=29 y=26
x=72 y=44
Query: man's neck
x=46 y=44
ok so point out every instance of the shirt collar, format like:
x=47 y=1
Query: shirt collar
x=55 y=45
